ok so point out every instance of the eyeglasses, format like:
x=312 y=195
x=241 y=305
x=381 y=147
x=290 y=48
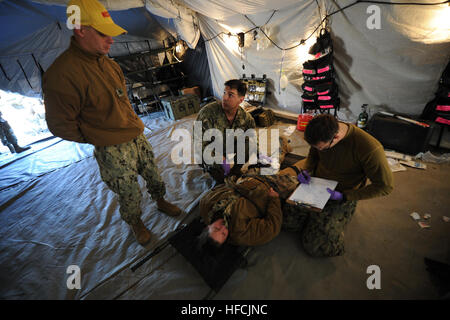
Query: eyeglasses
x=329 y=144
x=331 y=141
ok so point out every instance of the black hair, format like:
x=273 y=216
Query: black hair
x=321 y=128
x=237 y=84
x=207 y=244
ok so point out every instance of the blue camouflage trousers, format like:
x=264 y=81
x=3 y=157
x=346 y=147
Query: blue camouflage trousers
x=7 y=136
x=120 y=166
x=321 y=233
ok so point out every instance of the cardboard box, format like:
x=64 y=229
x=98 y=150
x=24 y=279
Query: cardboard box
x=193 y=90
x=176 y=108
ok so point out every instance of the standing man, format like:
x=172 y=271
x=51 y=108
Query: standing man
x=349 y=155
x=86 y=101
x=8 y=137
x=223 y=115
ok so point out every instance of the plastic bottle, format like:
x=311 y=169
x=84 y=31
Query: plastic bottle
x=283 y=81
x=363 y=117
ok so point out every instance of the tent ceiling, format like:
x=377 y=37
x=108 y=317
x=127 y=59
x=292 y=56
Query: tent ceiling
x=36 y=34
x=109 y=4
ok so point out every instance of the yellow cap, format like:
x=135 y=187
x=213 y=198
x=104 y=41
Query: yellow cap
x=94 y=14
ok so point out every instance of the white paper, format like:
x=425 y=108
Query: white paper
x=397 y=155
x=395 y=165
x=289 y=130
x=315 y=193
x=413 y=164
x=415 y=216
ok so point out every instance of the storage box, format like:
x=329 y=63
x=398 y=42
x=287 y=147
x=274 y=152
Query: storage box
x=264 y=117
x=178 y=107
x=193 y=90
x=399 y=135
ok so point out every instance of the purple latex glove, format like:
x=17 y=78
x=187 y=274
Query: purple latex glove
x=226 y=167
x=304 y=177
x=335 y=195
x=264 y=157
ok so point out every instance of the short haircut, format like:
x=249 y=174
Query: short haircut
x=321 y=128
x=237 y=84
x=207 y=244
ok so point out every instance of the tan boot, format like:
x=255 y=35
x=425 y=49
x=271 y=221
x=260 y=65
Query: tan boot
x=141 y=233
x=168 y=208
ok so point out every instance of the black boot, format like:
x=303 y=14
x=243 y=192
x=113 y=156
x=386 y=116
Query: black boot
x=11 y=148
x=20 y=149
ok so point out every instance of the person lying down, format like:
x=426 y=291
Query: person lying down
x=246 y=211
x=252 y=210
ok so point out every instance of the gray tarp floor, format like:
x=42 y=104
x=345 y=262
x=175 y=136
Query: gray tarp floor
x=55 y=212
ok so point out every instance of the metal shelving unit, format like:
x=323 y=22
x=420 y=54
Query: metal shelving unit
x=150 y=78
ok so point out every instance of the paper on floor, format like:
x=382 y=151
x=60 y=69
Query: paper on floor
x=424 y=225
x=413 y=164
x=289 y=130
x=395 y=166
x=397 y=155
x=429 y=157
x=415 y=216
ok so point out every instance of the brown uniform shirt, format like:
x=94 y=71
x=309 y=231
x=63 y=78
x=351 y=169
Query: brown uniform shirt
x=255 y=218
x=356 y=158
x=86 y=99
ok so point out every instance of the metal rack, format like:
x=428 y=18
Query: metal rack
x=256 y=90
x=148 y=79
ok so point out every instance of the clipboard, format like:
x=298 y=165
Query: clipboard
x=314 y=195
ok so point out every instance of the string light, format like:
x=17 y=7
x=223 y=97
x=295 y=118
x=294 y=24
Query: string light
x=180 y=48
x=301 y=52
x=303 y=41
x=440 y=25
x=230 y=42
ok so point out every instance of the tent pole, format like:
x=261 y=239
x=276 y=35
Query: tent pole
x=38 y=65
x=4 y=72
x=25 y=74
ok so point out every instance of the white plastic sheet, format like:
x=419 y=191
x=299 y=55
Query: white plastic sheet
x=67 y=216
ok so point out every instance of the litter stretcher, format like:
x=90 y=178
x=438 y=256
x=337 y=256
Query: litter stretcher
x=214 y=269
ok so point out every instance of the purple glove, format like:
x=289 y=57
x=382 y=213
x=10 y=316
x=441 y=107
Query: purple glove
x=264 y=157
x=226 y=167
x=304 y=177
x=335 y=195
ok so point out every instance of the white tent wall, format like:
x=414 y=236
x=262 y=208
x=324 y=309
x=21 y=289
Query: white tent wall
x=394 y=68
x=184 y=19
x=286 y=27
